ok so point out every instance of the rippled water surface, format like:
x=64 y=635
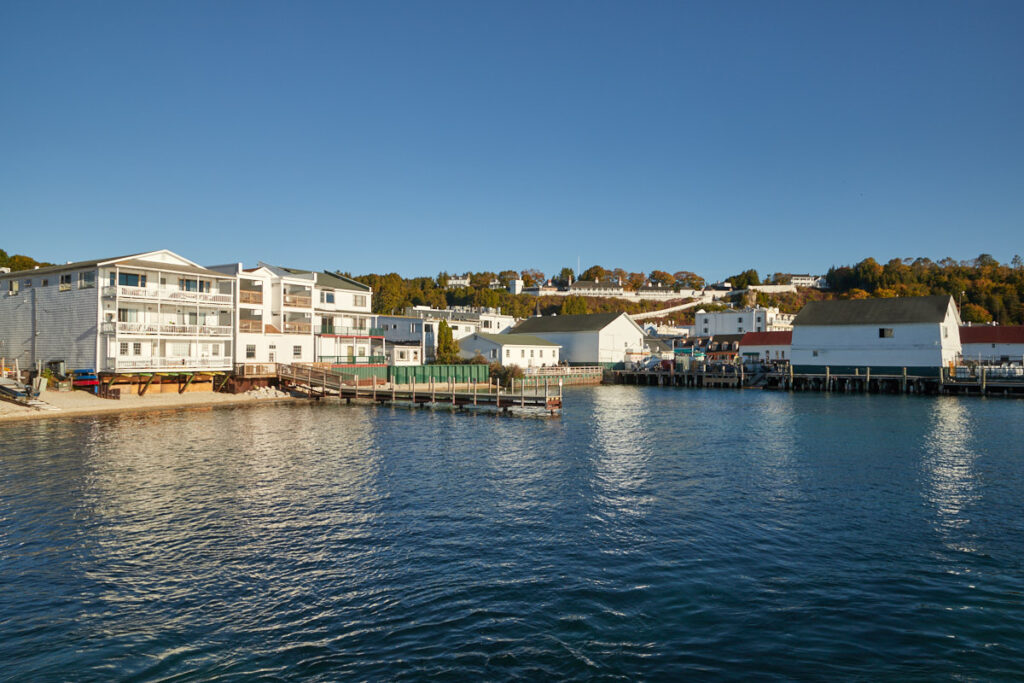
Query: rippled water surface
x=647 y=534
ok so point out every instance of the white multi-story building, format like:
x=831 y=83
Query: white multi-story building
x=740 y=321
x=286 y=315
x=149 y=312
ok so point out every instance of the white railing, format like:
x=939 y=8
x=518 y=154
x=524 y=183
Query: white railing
x=168 y=329
x=564 y=370
x=156 y=363
x=170 y=293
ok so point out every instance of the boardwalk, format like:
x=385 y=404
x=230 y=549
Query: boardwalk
x=318 y=382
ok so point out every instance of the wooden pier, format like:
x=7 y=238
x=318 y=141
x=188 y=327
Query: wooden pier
x=961 y=381
x=545 y=397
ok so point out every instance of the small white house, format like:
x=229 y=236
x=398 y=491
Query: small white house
x=524 y=350
x=992 y=343
x=920 y=334
x=404 y=354
x=599 y=338
x=767 y=347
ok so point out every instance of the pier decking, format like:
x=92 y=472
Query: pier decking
x=319 y=382
x=963 y=381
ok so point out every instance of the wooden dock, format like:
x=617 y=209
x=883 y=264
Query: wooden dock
x=316 y=382
x=960 y=381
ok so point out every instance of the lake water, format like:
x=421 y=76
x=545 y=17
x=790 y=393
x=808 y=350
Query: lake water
x=646 y=534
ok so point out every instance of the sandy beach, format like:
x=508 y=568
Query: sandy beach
x=78 y=403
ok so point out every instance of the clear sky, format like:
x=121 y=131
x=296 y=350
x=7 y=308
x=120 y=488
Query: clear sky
x=425 y=136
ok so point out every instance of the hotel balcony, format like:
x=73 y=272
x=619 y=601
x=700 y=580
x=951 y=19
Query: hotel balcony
x=297 y=327
x=249 y=296
x=250 y=325
x=166 y=294
x=339 y=331
x=298 y=300
x=157 y=364
x=165 y=329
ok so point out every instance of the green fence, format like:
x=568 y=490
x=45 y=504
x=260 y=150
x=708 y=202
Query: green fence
x=362 y=372
x=440 y=373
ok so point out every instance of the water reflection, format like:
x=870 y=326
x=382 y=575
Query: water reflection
x=621 y=462
x=949 y=471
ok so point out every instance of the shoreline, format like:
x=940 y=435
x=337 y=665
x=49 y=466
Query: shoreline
x=81 y=404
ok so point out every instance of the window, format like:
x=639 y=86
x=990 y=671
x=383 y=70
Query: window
x=326 y=297
x=359 y=300
x=129 y=279
x=250 y=350
x=522 y=353
x=531 y=353
x=137 y=349
x=44 y=283
x=296 y=352
x=487 y=324
x=508 y=353
x=65 y=282
x=814 y=353
x=28 y=283
x=403 y=355
x=885 y=333
x=215 y=350
x=494 y=353
x=740 y=319
x=127 y=315
x=124 y=349
x=945 y=333
x=12 y=287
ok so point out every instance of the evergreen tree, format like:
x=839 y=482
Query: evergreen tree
x=447 y=348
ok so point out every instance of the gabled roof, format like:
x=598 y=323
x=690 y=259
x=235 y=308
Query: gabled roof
x=767 y=338
x=331 y=280
x=992 y=334
x=590 y=322
x=511 y=339
x=131 y=261
x=903 y=310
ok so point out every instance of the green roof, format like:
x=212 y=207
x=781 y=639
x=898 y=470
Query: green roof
x=912 y=309
x=591 y=322
x=331 y=280
x=511 y=339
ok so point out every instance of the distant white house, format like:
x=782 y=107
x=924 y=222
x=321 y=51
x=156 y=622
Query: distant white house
x=805 y=280
x=404 y=354
x=524 y=350
x=992 y=343
x=455 y=281
x=739 y=321
x=599 y=338
x=421 y=324
x=920 y=334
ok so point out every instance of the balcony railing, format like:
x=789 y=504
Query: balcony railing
x=352 y=331
x=255 y=326
x=354 y=360
x=156 y=363
x=169 y=293
x=247 y=296
x=298 y=300
x=167 y=329
x=297 y=327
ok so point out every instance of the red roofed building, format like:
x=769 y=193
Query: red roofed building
x=993 y=343
x=766 y=346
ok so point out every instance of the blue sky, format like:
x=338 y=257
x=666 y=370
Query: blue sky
x=425 y=136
